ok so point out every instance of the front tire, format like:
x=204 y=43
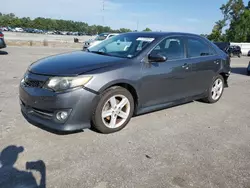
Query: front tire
x=113 y=111
x=215 y=90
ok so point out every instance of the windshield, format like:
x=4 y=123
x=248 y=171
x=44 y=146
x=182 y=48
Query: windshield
x=101 y=37
x=124 y=46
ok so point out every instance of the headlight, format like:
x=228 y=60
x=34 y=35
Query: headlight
x=65 y=83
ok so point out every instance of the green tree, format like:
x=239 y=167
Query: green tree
x=124 y=30
x=216 y=34
x=232 y=12
x=239 y=30
x=54 y=24
x=147 y=29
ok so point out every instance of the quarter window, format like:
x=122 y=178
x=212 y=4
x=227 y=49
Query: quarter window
x=172 y=48
x=197 y=48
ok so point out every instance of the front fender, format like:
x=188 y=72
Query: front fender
x=117 y=82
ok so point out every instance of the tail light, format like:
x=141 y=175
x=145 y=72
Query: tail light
x=1 y=34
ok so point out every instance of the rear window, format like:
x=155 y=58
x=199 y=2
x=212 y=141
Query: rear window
x=198 y=48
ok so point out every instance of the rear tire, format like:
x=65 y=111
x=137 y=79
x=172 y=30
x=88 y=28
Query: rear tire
x=113 y=111
x=215 y=90
x=239 y=55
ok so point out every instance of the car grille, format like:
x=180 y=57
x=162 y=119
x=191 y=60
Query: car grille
x=38 y=112
x=33 y=83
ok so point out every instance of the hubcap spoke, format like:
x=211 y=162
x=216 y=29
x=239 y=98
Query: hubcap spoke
x=219 y=85
x=106 y=113
x=112 y=123
x=123 y=102
x=214 y=95
x=213 y=89
x=113 y=102
x=217 y=82
x=123 y=115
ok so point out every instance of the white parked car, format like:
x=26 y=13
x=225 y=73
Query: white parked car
x=19 y=29
x=4 y=29
x=99 y=38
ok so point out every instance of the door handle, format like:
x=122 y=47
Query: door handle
x=185 y=66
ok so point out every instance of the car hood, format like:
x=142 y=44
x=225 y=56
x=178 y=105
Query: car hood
x=95 y=43
x=73 y=63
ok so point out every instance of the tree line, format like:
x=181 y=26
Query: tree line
x=49 y=24
x=235 y=24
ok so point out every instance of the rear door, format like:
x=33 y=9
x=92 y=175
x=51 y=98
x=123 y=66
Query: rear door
x=205 y=63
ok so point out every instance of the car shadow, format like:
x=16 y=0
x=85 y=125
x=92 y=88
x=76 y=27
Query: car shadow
x=12 y=177
x=3 y=53
x=239 y=70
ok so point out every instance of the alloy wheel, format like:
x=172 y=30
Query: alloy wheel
x=116 y=111
x=217 y=89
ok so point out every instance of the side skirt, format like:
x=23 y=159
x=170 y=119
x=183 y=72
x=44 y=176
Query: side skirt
x=168 y=105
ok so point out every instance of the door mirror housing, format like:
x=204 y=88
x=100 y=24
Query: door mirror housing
x=157 y=58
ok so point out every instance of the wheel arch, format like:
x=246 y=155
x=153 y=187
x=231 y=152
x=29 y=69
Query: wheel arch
x=125 y=84
x=225 y=77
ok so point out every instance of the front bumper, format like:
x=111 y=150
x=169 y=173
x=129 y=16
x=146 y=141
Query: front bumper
x=39 y=107
x=2 y=43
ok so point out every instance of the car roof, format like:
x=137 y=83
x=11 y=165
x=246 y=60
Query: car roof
x=160 y=34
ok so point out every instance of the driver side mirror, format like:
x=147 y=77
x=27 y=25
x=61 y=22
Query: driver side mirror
x=157 y=58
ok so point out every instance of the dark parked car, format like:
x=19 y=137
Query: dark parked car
x=231 y=50
x=234 y=51
x=223 y=45
x=2 y=42
x=126 y=75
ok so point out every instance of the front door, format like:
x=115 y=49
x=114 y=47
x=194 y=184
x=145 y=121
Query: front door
x=166 y=81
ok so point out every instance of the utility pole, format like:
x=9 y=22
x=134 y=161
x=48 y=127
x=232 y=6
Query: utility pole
x=103 y=7
x=137 y=25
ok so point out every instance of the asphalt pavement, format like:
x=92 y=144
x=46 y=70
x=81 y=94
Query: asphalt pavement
x=192 y=145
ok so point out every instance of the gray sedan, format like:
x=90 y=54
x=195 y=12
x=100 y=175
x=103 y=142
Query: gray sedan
x=126 y=75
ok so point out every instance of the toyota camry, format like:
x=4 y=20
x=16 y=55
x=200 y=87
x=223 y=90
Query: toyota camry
x=125 y=75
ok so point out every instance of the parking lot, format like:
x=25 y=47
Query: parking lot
x=192 y=145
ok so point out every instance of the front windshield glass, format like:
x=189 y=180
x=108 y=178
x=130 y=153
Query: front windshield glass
x=124 y=46
x=101 y=37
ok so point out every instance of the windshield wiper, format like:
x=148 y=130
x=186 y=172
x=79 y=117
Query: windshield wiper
x=101 y=53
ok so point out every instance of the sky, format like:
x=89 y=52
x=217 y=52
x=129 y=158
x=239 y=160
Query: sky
x=195 y=16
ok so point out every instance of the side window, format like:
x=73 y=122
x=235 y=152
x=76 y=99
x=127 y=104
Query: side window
x=198 y=48
x=172 y=48
x=111 y=36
